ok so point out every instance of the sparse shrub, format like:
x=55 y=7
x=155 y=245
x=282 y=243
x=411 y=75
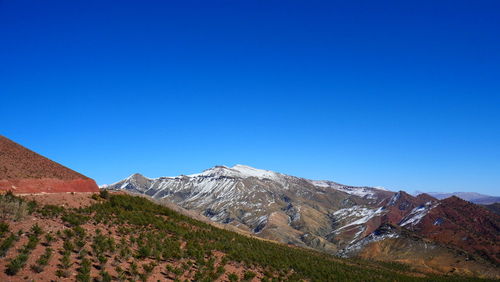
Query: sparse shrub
x=120 y=273
x=148 y=267
x=12 y=207
x=79 y=231
x=42 y=261
x=49 y=238
x=16 y=264
x=37 y=230
x=68 y=246
x=51 y=211
x=30 y=245
x=104 y=194
x=133 y=269
x=68 y=233
x=220 y=270
x=32 y=206
x=4 y=228
x=105 y=276
x=65 y=260
x=62 y=273
x=74 y=219
x=7 y=243
x=232 y=277
x=249 y=275
x=84 y=271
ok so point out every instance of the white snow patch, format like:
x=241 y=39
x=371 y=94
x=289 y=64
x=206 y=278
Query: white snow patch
x=352 y=248
x=363 y=215
x=416 y=215
x=368 y=192
x=241 y=171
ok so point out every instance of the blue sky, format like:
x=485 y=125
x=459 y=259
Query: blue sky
x=400 y=94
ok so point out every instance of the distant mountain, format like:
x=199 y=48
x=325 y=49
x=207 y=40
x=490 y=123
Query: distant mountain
x=476 y=198
x=331 y=217
x=24 y=171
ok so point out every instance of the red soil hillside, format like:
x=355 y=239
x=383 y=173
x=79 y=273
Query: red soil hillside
x=24 y=171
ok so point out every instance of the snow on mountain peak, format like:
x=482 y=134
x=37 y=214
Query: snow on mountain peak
x=249 y=171
x=238 y=170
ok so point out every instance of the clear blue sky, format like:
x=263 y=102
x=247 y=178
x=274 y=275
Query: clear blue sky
x=400 y=94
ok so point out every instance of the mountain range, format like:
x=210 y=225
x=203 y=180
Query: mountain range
x=231 y=224
x=450 y=234
x=474 y=197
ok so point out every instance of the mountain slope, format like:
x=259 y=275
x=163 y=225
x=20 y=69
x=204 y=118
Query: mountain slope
x=323 y=215
x=24 y=171
x=465 y=225
x=267 y=203
x=148 y=242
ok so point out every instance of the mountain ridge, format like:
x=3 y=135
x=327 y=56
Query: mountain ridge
x=318 y=214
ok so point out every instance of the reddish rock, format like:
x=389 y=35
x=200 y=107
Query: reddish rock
x=465 y=225
x=402 y=204
x=48 y=185
x=398 y=207
x=23 y=171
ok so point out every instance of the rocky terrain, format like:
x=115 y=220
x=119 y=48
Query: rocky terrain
x=118 y=237
x=493 y=207
x=24 y=171
x=331 y=217
x=55 y=225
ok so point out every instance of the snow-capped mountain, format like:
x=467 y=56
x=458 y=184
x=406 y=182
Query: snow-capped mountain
x=324 y=215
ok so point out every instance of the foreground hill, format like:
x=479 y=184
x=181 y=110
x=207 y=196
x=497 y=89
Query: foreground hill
x=24 y=171
x=119 y=237
x=334 y=218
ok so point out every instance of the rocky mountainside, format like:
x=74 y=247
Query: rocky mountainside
x=493 y=208
x=24 y=171
x=119 y=237
x=325 y=215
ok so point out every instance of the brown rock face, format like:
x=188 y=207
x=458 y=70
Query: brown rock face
x=24 y=171
x=465 y=225
x=401 y=204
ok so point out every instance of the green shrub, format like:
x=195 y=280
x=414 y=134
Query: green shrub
x=249 y=275
x=104 y=194
x=12 y=207
x=65 y=260
x=4 y=228
x=16 y=264
x=62 y=273
x=49 y=238
x=84 y=271
x=42 y=261
x=7 y=243
x=32 y=206
x=105 y=276
x=74 y=219
x=232 y=277
x=51 y=211
x=36 y=230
